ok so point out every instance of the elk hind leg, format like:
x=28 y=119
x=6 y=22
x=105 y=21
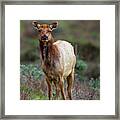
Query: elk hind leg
x=70 y=80
x=57 y=89
x=61 y=84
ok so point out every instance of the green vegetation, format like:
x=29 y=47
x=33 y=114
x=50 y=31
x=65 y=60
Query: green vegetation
x=81 y=67
x=94 y=84
x=31 y=94
x=33 y=88
x=31 y=71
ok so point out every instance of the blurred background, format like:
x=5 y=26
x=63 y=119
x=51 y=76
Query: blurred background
x=84 y=35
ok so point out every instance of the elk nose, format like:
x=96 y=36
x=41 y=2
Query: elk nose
x=44 y=37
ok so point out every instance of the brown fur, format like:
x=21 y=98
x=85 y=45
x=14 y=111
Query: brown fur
x=52 y=53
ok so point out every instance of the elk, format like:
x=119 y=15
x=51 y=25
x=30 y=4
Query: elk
x=57 y=60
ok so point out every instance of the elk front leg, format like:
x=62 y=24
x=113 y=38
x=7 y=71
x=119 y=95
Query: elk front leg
x=49 y=88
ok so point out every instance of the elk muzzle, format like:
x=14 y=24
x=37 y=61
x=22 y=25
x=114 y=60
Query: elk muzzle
x=44 y=37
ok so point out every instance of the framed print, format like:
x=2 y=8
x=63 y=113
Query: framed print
x=60 y=59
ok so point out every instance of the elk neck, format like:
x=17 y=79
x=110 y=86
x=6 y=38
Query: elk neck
x=49 y=52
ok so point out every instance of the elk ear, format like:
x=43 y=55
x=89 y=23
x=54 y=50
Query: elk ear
x=54 y=25
x=36 y=24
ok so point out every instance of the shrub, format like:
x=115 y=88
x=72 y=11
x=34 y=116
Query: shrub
x=30 y=71
x=94 y=84
x=31 y=85
x=80 y=68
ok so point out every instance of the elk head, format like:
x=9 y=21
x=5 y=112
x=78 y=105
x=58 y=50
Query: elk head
x=45 y=30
